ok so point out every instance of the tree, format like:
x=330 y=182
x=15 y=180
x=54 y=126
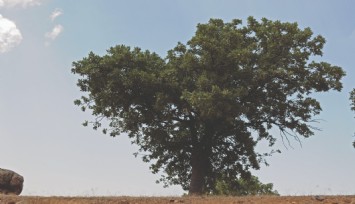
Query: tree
x=198 y=113
x=242 y=187
x=352 y=98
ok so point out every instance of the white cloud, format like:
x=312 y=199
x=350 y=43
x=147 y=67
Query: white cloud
x=58 y=29
x=57 y=12
x=10 y=36
x=55 y=32
x=23 y=3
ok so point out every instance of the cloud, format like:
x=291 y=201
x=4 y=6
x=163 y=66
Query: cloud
x=58 y=29
x=57 y=12
x=55 y=32
x=10 y=36
x=23 y=3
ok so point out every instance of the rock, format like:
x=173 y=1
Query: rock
x=10 y=182
x=175 y=201
x=319 y=198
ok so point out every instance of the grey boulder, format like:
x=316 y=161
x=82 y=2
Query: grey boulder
x=10 y=182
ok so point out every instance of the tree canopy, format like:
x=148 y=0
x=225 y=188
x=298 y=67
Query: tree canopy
x=198 y=113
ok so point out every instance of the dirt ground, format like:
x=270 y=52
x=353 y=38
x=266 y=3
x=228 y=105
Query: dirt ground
x=187 y=200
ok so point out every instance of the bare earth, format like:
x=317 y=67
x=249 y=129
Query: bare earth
x=157 y=200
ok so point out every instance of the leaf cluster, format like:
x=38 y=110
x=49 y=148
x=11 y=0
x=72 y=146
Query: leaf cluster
x=243 y=187
x=352 y=99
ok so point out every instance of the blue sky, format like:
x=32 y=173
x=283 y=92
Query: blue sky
x=41 y=136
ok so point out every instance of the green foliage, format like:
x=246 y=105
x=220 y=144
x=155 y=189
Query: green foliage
x=243 y=187
x=352 y=99
x=193 y=113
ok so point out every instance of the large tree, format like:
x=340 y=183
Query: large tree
x=198 y=114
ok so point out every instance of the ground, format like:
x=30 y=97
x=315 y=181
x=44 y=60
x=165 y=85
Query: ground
x=157 y=200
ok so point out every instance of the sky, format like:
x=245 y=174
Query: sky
x=41 y=136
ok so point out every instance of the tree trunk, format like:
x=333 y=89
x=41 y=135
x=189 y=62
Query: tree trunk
x=198 y=173
x=200 y=161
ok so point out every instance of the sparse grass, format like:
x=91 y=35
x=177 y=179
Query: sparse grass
x=185 y=199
